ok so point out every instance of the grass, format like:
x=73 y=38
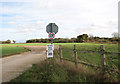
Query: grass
x=80 y=46
x=56 y=71
x=92 y=58
x=66 y=71
x=11 y=50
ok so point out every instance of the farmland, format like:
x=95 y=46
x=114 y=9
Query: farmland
x=67 y=48
x=94 y=58
x=80 y=46
x=11 y=50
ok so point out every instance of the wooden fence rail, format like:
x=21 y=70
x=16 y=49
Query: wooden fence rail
x=102 y=51
x=90 y=51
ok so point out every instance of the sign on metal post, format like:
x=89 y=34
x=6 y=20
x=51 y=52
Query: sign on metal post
x=50 y=49
x=51 y=29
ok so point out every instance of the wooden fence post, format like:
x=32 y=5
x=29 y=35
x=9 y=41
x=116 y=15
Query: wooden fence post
x=102 y=56
x=75 y=55
x=103 y=59
x=60 y=52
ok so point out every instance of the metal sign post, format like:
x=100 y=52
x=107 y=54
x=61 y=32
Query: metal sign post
x=52 y=41
x=51 y=29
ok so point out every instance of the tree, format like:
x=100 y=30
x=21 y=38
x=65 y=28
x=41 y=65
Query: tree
x=85 y=36
x=8 y=41
x=79 y=38
x=82 y=38
x=73 y=40
x=14 y=41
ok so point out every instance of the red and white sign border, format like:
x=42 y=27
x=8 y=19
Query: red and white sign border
x=53 y=35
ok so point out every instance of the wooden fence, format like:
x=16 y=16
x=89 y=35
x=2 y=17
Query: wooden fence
x=102 y=52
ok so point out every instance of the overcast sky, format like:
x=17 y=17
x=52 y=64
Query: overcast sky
x=27 y=19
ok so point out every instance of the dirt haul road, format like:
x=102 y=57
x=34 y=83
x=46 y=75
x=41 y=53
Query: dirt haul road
x=13 y=66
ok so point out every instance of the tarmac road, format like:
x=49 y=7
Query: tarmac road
x=13 y=66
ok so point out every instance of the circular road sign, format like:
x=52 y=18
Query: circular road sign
x=51 y=35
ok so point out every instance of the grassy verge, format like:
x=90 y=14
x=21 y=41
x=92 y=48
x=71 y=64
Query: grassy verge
x=11 y=50
x=56 y=71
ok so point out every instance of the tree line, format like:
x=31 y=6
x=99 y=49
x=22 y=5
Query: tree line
x=80 y=39
x=7 y=42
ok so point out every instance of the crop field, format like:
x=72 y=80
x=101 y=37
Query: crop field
x=10 y=50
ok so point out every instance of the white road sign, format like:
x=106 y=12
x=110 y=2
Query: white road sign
x=50 y=49
x=49 y=53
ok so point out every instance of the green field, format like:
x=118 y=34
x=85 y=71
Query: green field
x=93 y=58
x=8 y=49
x=80 y=46
x=11 y=50
x=65 y=73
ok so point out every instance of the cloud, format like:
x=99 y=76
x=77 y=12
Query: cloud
x=11 y=22
x=45 y=4
x=73 y=17
x=18 y=17
x=34 y=27
x=103 y=30
x=39 y=22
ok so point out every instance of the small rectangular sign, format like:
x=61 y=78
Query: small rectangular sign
x=49 y=53
x=50 y=49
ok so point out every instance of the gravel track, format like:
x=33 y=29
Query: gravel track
x=13 y=66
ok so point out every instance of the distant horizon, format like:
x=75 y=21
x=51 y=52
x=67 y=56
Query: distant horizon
x=24 y=41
